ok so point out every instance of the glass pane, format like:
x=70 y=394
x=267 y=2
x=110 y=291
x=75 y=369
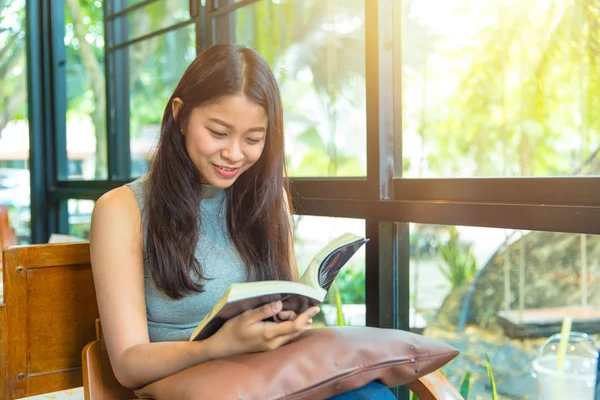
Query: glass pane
x=317 y=51
x=501 y=88
x=153 y=77
x=14 y=126
x=80 y=217
x=118 y=5
x=350 y=282
x=501 y=293
x=86 y=90
x=150 y=18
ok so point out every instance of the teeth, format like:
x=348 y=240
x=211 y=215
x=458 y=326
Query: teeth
x=227 y=169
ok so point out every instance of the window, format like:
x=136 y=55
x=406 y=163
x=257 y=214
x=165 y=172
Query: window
x=148 y=49
x=350 y=283
x=317 y=51
x=155 y=67
x=14 y=124
x=85 y=91
x=80 y=215
x=499 y=88
x=502 y=293
x=152 y=17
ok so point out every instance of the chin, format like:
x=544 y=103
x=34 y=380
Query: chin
x=219 y=183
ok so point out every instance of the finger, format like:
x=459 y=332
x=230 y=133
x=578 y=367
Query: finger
x=258 y=314
x=290 y=327
x=310 y=312
x=282 y=340
x=286 y=316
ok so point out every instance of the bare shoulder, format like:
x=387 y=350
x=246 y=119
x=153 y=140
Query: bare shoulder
x=117 y=200
x=116 y=222
x=117 y=207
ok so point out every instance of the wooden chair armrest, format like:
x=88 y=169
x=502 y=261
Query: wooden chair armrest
x=434 y=386
x=3 y=351
x=99 y=381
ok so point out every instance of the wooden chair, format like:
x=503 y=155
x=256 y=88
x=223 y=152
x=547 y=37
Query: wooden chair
x=49 y=313
x=99 y=381
x=50 y=328
x=8 y=237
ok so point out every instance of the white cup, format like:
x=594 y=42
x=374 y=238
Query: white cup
x=577 y=380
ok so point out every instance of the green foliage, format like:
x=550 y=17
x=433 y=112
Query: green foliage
x=459 y=265
x=524 y=98
x=340 y=319
x=491 y=377
x=465 y=385
x=13 y=86
x=321 y=161
x=80 y=99
x=351 y=284
x=297 y=37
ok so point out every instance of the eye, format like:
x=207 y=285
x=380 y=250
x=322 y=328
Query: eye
x=217 y=134
x=254 y=141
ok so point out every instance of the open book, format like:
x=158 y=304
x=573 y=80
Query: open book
x=311 y=290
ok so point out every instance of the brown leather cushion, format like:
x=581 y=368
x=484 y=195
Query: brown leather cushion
x=323 y=362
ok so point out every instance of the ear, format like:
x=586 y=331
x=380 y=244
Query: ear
x=175 y=107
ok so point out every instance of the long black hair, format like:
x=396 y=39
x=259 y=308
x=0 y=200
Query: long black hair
x=257 y=203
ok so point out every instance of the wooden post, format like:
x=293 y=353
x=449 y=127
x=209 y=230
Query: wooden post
x=584 y=272
x=506 y=274
x=522 y=278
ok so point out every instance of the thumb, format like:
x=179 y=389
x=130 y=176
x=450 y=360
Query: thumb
x=267 y=311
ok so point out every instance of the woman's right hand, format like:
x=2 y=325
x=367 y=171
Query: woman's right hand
x=249 y=333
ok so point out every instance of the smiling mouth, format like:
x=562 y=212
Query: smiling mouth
x=228 y=169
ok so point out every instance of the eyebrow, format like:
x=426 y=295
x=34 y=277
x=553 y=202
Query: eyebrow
x=229 y=126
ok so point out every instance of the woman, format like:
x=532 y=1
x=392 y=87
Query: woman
x=213 y=210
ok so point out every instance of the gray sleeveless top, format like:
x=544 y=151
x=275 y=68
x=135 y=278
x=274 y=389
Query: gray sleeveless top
x=172 y=320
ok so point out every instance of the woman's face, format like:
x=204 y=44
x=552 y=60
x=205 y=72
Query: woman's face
x=224 y=139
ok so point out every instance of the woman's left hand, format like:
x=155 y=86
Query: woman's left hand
x=286 y=315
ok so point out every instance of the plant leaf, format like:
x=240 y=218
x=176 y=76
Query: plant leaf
x=491 y=377
x=465 y=385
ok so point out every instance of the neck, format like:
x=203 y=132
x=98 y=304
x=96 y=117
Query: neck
x=211 y=192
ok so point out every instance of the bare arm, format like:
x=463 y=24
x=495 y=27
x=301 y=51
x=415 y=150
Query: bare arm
x=116 y=252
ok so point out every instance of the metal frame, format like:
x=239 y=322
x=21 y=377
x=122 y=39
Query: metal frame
x=575 y=191
x=117 y=94
x=552 y=218
x=46 y=100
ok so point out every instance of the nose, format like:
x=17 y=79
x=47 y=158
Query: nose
x=232 y=153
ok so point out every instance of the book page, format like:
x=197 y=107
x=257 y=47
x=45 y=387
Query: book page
x=335 y=261
x=311 y=275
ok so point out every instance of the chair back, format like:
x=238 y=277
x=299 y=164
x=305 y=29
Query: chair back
x=7 y=238
x=48 y=318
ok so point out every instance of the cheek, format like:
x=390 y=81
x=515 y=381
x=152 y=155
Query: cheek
x=254 y=153
x=200 y=144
